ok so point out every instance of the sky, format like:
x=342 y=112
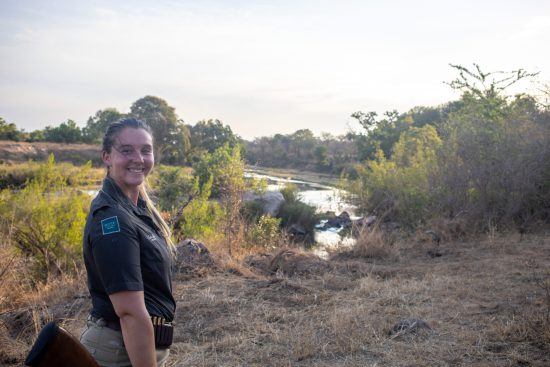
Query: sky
x=262 y=67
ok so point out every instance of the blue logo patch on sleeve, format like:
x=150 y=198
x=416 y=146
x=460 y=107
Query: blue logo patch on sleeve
x=110 y=225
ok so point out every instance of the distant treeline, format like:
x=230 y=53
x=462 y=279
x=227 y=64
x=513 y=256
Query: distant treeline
x=178 y=143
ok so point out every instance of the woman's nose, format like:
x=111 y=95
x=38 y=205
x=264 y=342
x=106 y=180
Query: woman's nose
x=137 y=155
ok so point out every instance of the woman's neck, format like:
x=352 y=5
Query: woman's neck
x=131 y=192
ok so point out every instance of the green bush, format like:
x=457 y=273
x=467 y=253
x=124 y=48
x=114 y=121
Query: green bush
x=265 y=232
x=290 y=192
x=202 y=217
x=173 y=186
x=487 y=167
x=15 y=176
x=46 y=219
x=252 y=211
x=298 y=213
x=399 y=188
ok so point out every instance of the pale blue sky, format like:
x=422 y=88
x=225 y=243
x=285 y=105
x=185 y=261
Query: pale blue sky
x=260 y=66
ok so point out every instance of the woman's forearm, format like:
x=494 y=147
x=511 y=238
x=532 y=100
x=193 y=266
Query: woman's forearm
x=137 y=331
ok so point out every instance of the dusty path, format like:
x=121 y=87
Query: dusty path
x=486 y=303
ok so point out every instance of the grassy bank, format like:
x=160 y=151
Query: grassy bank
x=486 y=302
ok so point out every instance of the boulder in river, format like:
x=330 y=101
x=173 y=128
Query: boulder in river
x=341 y=221
x=270 y=201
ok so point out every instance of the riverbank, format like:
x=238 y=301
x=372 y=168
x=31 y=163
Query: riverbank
x=307 y=176
x=485 y=302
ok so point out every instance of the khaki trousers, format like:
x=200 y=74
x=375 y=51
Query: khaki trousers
x=107 y=347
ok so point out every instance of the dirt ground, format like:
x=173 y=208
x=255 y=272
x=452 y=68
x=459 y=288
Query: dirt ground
x=479 y=303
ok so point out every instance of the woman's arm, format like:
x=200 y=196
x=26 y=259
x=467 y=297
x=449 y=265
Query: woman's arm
x=137 y=329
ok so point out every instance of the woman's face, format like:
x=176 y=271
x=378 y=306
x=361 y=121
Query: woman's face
x=130 y=159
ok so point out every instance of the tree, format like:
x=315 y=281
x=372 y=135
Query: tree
x=97 y=124
x=163 y=121
x=66 y=132
x=8 y=131
x=178 y=152
x=303 y=142
x=209 y=135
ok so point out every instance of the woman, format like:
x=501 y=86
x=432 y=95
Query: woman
x=127 y=252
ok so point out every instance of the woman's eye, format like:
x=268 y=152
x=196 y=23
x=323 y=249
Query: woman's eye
x=126 y=151
x=147 y=151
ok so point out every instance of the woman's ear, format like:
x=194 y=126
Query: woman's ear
x=106 y=159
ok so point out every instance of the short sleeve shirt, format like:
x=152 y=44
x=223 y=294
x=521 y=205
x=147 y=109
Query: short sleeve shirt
x=124 y=250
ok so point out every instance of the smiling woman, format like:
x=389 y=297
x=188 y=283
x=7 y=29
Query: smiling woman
x=130 y=160
x=127 y=252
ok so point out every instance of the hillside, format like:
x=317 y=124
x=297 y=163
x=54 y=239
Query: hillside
x=11 y=152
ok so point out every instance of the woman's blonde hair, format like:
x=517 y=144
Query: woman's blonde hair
x=108 y=140
x=161 y=223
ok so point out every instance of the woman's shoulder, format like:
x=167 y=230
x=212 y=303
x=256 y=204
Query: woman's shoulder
x=109 y=218
x=103 y=206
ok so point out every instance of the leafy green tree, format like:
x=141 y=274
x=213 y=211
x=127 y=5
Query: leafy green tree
x=66 y=132
x=417 y=145
x=210 y=135
x=226 y=168
x=36 y=135
x=97 y=124
x=178 y=152
x=321 y=157
x=8 y=131
x=163 y=121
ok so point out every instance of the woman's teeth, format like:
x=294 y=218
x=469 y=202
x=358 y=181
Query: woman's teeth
x=135 y=170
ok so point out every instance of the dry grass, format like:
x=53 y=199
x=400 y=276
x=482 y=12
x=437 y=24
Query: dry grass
x=487 y=302
x=375 y=243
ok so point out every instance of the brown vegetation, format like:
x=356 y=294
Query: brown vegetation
x=487 y=303
x=11 y=152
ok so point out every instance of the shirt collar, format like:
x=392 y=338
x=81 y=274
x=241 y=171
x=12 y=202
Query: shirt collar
x=115 y=192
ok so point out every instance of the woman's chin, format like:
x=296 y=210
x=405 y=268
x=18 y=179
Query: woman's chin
x=135 y=180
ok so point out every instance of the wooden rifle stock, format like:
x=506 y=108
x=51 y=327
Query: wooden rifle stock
x=56 y=347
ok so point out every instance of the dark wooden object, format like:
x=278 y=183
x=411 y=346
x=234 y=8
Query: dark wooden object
x=56 y=347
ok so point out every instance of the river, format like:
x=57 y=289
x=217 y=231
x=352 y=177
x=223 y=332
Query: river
x=324 y=198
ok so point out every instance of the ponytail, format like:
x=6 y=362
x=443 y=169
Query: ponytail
x=165 y=230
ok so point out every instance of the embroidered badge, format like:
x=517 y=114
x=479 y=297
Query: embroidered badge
x=110 y=225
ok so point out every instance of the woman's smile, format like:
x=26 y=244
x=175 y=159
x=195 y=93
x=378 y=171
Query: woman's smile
x=130 y=160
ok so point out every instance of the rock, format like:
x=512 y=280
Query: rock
x=329 y=215
x=411 y=325
x=192 y=258
x=296 y=230
x=271 y=201
x=294 y=262
x=362 y=224
x=343 y=220
x=259 y=262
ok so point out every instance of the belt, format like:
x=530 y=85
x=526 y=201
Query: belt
x=100 y=321
x=163 y=330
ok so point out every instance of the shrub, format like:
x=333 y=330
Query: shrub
x=251 y=211
x=174 y=187
x=47 y=219
x=290 y=192
x=201 y=217
x=298 y=213
x=266 y=232
x=17 y=175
